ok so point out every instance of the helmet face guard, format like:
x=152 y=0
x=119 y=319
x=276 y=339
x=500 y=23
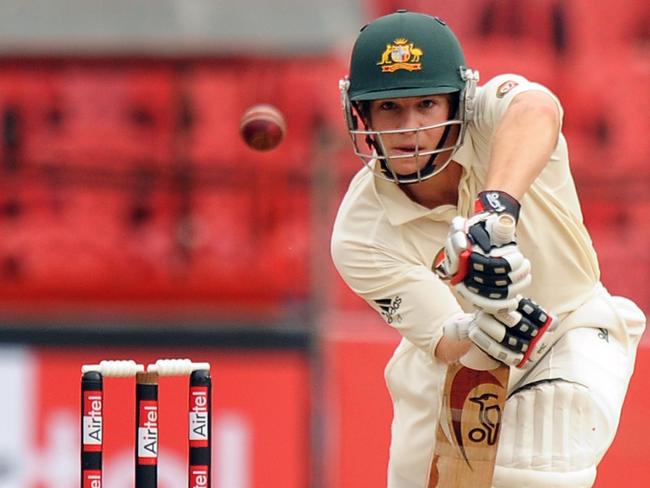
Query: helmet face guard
x=407 y=55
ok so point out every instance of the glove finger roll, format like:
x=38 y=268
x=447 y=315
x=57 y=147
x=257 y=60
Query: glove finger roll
x=491 y=326
x=520 y=272
x=486 y=304
x=493 y=348
x=481 y=263
x=488 y=281
x=518 y=286
x=491 y=292
x=515 y=260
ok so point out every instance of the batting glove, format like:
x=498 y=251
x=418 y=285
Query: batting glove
x=518 y=338
x=488 y=274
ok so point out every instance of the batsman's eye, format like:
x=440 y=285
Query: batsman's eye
x=388 y=107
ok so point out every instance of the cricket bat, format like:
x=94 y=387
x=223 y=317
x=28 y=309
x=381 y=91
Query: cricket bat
x=473 y=400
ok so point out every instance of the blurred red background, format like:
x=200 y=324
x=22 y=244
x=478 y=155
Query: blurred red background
x=132 y=215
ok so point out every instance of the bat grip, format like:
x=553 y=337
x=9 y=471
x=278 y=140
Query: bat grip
x=478 y=360
x=503 y=229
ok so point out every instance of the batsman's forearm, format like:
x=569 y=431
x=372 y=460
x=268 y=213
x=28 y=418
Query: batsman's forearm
x=523 y=143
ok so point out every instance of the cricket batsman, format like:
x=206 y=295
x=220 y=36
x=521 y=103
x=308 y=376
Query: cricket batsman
x=443 y=158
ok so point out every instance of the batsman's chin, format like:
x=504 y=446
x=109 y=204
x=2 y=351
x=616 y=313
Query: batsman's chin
x=403 y=165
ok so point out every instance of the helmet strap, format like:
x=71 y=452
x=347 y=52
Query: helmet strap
x=371 y=141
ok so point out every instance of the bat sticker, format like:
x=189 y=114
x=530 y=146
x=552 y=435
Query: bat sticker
x=489 y=416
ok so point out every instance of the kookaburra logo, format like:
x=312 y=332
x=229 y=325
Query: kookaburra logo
x=494 y=202
x=490 y=418
x=389 y=308
x=487 y=423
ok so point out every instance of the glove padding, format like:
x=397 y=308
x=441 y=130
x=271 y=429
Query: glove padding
x=518 y=338
x=488 y=274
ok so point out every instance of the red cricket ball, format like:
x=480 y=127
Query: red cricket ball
x=262 y=127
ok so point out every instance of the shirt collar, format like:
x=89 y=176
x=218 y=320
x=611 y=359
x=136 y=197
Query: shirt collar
x=400 y=209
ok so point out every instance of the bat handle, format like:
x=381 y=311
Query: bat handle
x=478 y=360
x=503 y=229
x=502 y=232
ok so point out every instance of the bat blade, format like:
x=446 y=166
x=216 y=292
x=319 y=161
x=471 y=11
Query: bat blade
x=470 y=424
x=473 y=401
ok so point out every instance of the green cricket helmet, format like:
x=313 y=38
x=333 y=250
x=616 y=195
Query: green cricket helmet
x=406 y=54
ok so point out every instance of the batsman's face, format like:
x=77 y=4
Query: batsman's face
x=410 y=115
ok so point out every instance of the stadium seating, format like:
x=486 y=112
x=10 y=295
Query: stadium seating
x=214 y=107
x=617 y=222
x=138 y=170
x=111 y=117
x=604 y=29
x=30 y=116
x=610 y=111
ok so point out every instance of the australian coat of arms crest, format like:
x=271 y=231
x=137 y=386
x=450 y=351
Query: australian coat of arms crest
x=401 y=54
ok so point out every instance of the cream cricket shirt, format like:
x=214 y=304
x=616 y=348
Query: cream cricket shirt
x=383 y=243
